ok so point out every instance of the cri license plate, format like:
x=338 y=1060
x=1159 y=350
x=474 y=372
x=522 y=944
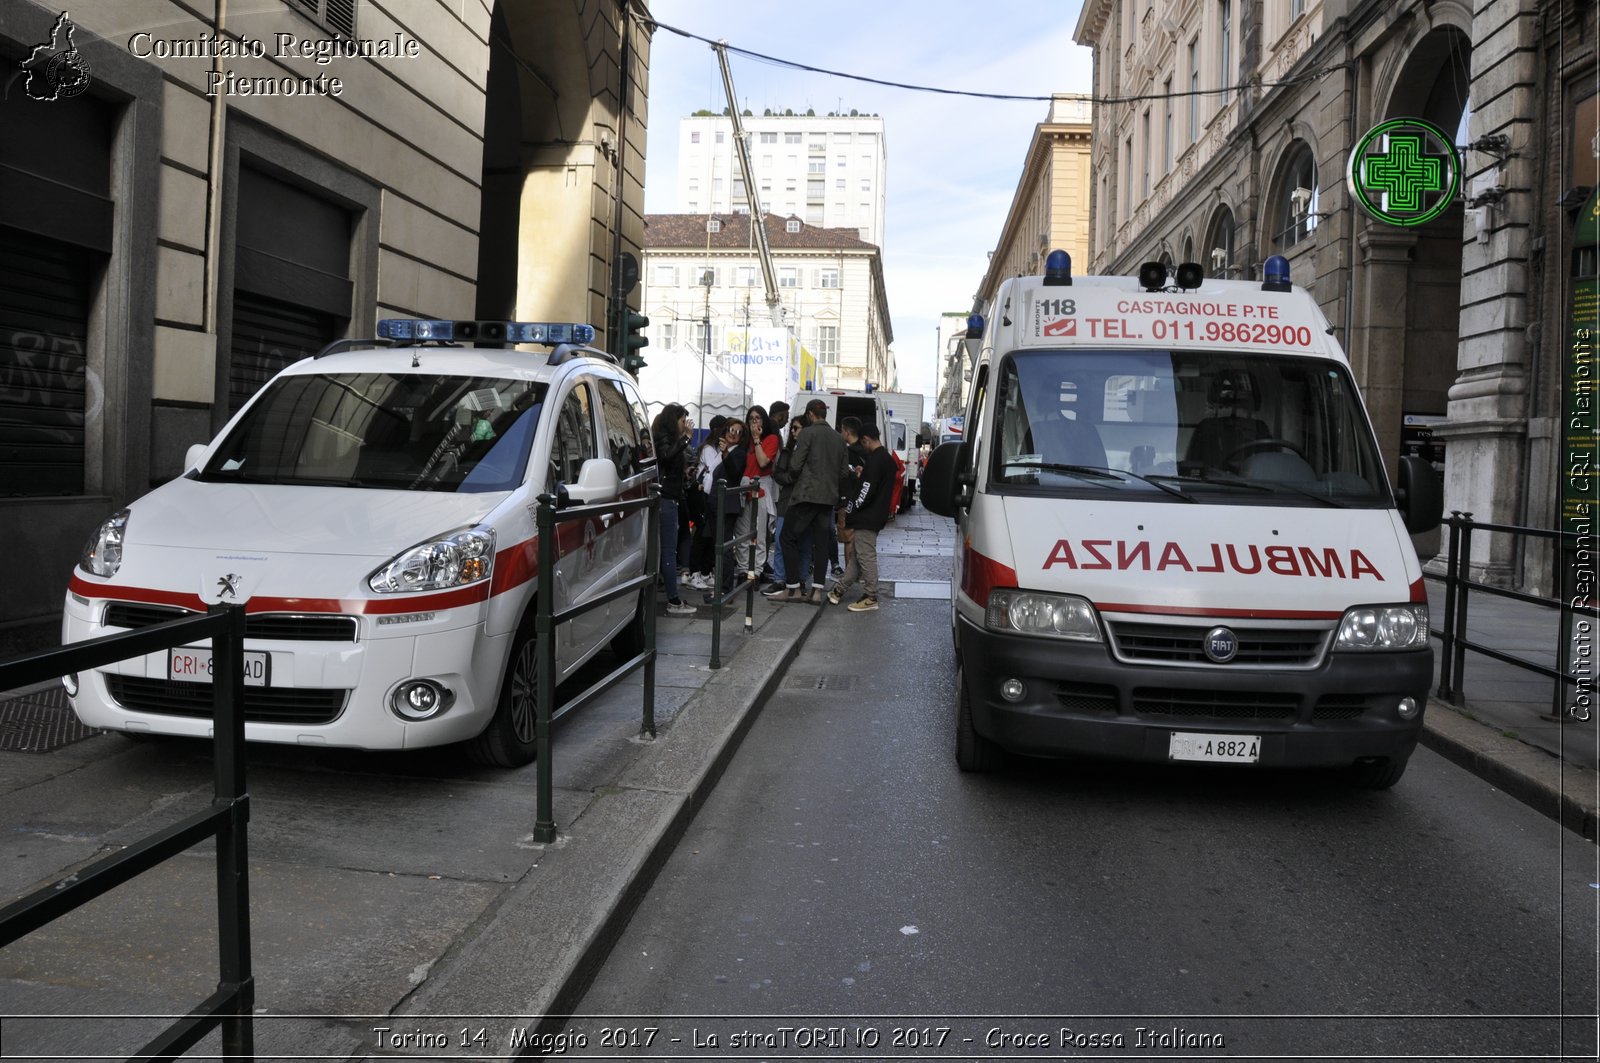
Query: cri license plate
x=194 y=666
x=1233 y=749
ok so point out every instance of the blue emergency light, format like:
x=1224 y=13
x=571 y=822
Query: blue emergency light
x=1058 y=267
x=975 y=326
x=423 y=330
x=1275 y=270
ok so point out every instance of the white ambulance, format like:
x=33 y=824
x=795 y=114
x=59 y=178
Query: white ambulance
x=374 y=511
x=1176 y=537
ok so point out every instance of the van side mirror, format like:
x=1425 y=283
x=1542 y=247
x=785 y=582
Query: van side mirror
x=1420 y=495
x=597 y=482
x=942 y=490
x=194 y=456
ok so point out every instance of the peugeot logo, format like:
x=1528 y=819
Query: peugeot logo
x=228 y=586
x=1221 y=645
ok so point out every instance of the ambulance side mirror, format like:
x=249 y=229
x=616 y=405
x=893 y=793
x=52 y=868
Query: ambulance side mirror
x=942 y=489
x=1420 y=495
x=194 y=456
x=597 y=482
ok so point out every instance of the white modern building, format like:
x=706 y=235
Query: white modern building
x=826 y=170
x=830 y=284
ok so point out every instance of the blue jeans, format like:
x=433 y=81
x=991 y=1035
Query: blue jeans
x=669 y=546
x=777 y=555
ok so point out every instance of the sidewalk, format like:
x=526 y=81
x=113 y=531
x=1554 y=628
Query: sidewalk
x=1501 y=727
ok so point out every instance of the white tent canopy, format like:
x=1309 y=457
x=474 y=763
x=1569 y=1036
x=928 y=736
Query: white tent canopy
x=683 y=376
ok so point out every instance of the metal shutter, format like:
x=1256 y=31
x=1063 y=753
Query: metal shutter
x=45 y=291
x=267 y=335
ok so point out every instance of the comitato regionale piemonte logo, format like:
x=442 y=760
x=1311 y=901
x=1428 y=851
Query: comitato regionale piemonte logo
x=55 y=69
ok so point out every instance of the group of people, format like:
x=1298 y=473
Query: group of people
x=822 y=489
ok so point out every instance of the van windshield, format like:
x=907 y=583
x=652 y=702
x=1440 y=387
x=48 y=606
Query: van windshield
x=386 y=431
x=1211 y=426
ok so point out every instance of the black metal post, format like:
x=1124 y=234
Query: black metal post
x=1447 y=632
x=721 y=533
x=758 y=531
x=652 y=566
x=233 y=873
x=544 y=828
x=1463 y=583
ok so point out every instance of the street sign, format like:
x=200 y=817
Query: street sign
x=1405 y=171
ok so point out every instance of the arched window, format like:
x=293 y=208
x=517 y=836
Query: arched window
x=1219 y=245
x=1188 y=249
x=1298 y=199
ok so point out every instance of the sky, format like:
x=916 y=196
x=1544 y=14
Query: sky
x=952 y=162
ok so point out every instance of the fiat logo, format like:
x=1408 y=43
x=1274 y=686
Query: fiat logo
x=1221 y=645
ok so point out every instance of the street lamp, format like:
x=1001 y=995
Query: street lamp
x=705 y=353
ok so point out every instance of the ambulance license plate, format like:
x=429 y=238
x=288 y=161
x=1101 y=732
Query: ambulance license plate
x=1232 y=749
x=194 y=666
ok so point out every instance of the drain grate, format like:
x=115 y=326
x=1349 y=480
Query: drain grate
x=40 y=722
x=820 y=682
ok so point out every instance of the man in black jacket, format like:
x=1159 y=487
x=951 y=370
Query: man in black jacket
x=817 y=463
x=866 y=513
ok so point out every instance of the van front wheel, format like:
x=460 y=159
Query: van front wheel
x=1378 y=774
x=974 y=752
x=509 y=741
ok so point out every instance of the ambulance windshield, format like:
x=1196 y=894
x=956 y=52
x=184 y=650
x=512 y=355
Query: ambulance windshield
x=1214 y=426
x=387 y=431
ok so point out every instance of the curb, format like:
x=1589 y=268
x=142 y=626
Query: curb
x=1567 y=793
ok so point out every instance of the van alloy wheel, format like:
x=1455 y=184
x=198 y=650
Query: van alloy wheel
x=509 y=741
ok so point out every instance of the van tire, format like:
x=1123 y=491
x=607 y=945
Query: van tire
x=974 y=753
x=1378 y=774
x=509 y=740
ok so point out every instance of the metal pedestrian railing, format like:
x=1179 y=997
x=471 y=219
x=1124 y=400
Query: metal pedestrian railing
x=1458 y=585
x=547 y=618
x=752 y=493
x=230 y=1007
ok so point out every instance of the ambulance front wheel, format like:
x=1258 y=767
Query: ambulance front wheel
x=1378 y=774
x=974 y=752
x=508 y=741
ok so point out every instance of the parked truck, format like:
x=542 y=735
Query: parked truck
x=904 y=409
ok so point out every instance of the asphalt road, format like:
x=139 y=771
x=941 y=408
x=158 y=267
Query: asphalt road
x=845 y=874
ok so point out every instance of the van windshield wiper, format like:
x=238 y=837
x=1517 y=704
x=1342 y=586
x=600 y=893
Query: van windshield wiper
x=1089 y=471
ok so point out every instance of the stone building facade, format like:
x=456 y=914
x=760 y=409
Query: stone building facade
x=830 y=288
x=192 y=196
x=1222 y=137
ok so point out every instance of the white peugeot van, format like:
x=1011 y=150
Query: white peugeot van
x=373 y=507
x=1176 y=538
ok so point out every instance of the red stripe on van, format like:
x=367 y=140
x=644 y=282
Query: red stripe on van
x=1419 y=591
x=980 y=574
x=451 y=599
x=1251 y=614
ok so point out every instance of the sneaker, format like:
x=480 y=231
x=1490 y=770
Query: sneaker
x=710 y=597
x=816 y=595
x=835 y=595
x=838 y=572
x=777 y=592
x=678 y=607
x=797 y=593
x=865 y=605
x=692 y=581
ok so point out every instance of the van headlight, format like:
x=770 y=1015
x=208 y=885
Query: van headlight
x=1383 y=627
x=454 y=560
x=102 y=554
x=1057 y=616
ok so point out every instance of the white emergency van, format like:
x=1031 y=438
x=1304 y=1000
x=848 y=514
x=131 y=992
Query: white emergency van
x=1176 y=538
x=373 y=508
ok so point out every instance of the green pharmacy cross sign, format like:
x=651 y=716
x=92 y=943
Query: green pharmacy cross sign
x=1404 y=171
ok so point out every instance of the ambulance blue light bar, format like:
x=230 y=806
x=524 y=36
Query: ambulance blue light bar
x=1057 y=267
x=1275 y=272
x=424 y=330
x=975 y=326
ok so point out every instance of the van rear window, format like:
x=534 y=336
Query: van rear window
x=384 y=431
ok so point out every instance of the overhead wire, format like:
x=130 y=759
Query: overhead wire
x=793 y=64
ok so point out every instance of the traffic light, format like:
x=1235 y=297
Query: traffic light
x=633 y=325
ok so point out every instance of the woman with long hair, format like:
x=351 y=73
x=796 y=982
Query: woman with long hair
x=764 y=444
x=670 y=432
x=701 y=556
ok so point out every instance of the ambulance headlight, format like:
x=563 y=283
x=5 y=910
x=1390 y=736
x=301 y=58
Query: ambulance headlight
x=1383 y=627
x=454 y=560
x=102 y=554
x=1057 y=616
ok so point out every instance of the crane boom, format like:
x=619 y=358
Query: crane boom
x=758 y=221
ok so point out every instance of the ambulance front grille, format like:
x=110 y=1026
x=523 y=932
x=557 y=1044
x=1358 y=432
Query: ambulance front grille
x=163 y=697
x=1261 y=647
x=268 y=627
x=1215 y=704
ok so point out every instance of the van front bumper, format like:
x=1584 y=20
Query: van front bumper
x=1079 y=700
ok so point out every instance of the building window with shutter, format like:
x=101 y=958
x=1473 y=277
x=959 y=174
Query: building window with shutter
x=828 y=344
x=828 y=278
x=336 y=16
